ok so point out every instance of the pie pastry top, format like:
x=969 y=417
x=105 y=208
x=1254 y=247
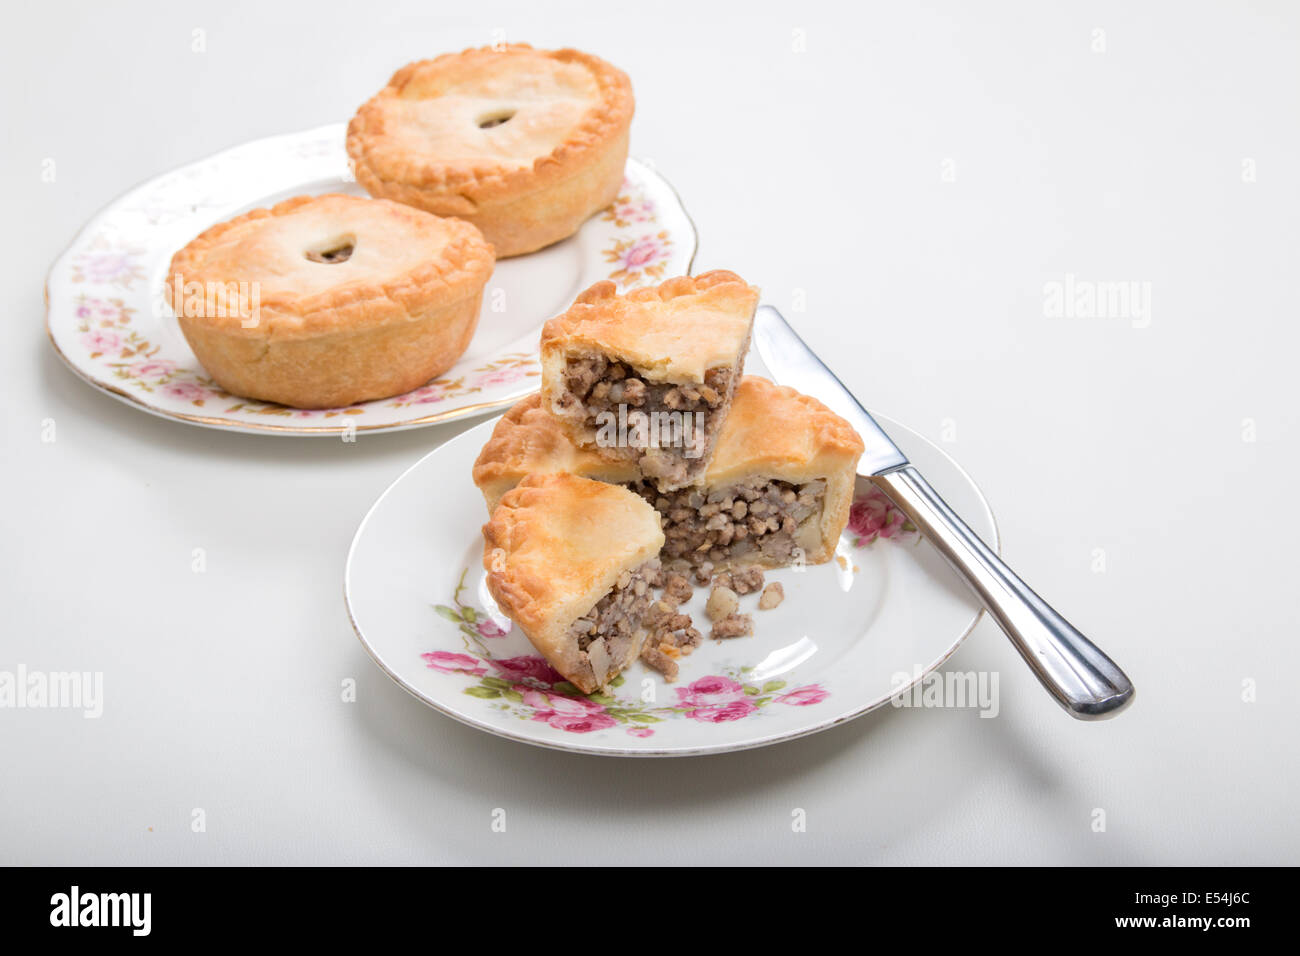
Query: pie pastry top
x=672 y=332
x=556 y=545
x=464 y=132
x=392 y=262
x=776 y=432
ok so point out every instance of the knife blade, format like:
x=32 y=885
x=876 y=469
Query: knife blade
x=796 y=365
x=1082 y=679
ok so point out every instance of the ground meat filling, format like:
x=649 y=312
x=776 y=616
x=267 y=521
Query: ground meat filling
x=768 y=519
x=673 y=635
x=668 y=450
x=609 y=635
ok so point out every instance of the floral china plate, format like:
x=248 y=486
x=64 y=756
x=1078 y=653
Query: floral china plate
x=850 y=635
x=109 y=321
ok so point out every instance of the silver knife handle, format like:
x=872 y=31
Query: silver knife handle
x=1087 y=683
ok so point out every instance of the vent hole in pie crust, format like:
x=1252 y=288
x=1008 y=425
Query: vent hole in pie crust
x=495 y=119
x=332 y=254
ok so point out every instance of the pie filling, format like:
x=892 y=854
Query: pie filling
x=492 y=120
x=675 y=429
x=609 y=636
x=768 y=520
x=332 y=253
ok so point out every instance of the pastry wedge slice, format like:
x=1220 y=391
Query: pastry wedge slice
x=648 y=376
x=777 y=490
x=571 y=561
x=528 y=439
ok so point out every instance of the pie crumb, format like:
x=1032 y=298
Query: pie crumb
x=677 y=589
x=734 y=625
x=772 y=595
x=655 y=658
x=723 y=602
x=744 y=581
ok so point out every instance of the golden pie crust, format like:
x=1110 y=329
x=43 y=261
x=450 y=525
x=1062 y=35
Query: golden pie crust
x=528 y=439
x=673 y=332
x=526 y=144
x=271 y=317
x=773 y=432
x=556 y=545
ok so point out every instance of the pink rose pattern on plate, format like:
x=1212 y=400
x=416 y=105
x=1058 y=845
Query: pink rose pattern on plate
x=450 y=663
x=639 y=259
x=105 y=262
x=106 y=330
x=507 y=370
x=874 y=516
x=630 y=209
x=527 y=687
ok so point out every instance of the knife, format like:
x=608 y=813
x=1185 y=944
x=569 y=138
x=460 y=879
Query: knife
x=1087 y=683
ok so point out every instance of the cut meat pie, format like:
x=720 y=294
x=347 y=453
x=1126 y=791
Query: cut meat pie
x=571 y=560
x=325 y=301
x=648 y=376
x=777 y=490
x=526 y=144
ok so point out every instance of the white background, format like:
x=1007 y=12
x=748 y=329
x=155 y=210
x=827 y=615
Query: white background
x=819 y=171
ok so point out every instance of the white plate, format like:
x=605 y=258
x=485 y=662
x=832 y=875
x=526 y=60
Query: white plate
x=832 y=651
x=108 y=319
